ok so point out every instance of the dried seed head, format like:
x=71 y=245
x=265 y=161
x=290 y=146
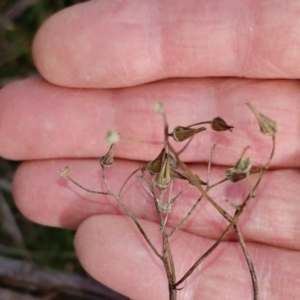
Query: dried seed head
x=155 y=166
x=243 y=165
x=234 y=176
x=107 y=160
x=181 y=133
x=112 y=137
x=158 y=107
x=267 y=126
x=218 y=124
x=163 y=178
x=64 y=172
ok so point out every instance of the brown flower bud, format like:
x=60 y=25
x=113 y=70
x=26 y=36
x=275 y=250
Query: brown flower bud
x=267 y=126
x=163 y=178
x=181 y=133
x=234 y=176
x=218 y=124
x=155 y=166
x=243 y=165
x=107 y=160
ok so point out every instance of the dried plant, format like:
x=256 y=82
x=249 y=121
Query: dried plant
x=158 y=177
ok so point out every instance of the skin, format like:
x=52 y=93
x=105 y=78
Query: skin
x=103 y=65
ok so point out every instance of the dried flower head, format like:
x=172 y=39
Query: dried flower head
x=112 y=137
x=158 y=107
x=267 y=126
x=234 y=176
x=163 y=178
x=64 y=172
x=107 y=160
x=218 y=124
x=240 y=170
x=181 y=133
x=243 y=165
x=155 y=166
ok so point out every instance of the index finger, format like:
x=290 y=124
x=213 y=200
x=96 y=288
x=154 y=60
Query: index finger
x=103 y=44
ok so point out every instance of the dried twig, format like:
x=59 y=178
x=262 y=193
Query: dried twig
x=166 y=168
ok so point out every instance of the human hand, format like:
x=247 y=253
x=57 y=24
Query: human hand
x=98 y=59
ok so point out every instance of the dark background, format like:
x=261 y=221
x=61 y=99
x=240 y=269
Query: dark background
x=36 y=262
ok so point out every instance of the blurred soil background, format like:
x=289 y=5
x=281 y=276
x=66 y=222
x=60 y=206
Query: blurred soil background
x=36 y=262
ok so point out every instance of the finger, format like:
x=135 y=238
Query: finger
x=116 y=44
x=112 y=250
x=272 y=217
x=39 y=120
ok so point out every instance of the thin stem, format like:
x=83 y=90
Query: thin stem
x=206 y=254
x=128 y=179
x=170 y=257
x=186 y=216
x=105 y=181
x=248 y=259
x=160 y=201
x=217 y=183
x=185 y=146
x=129 y=213
x=209 y=164
x=83 y=188
x=140 y=178
x=200 y=123
x=193 y=207
x=232 y=223
x=168 y=206
x=177 y=196
x=172 y=279
x=200 y=188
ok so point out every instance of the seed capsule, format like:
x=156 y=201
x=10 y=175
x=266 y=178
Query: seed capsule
x=181 y=133
x=267 y=126
x=218 y=124
x=107 y=160
x=163 y=178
